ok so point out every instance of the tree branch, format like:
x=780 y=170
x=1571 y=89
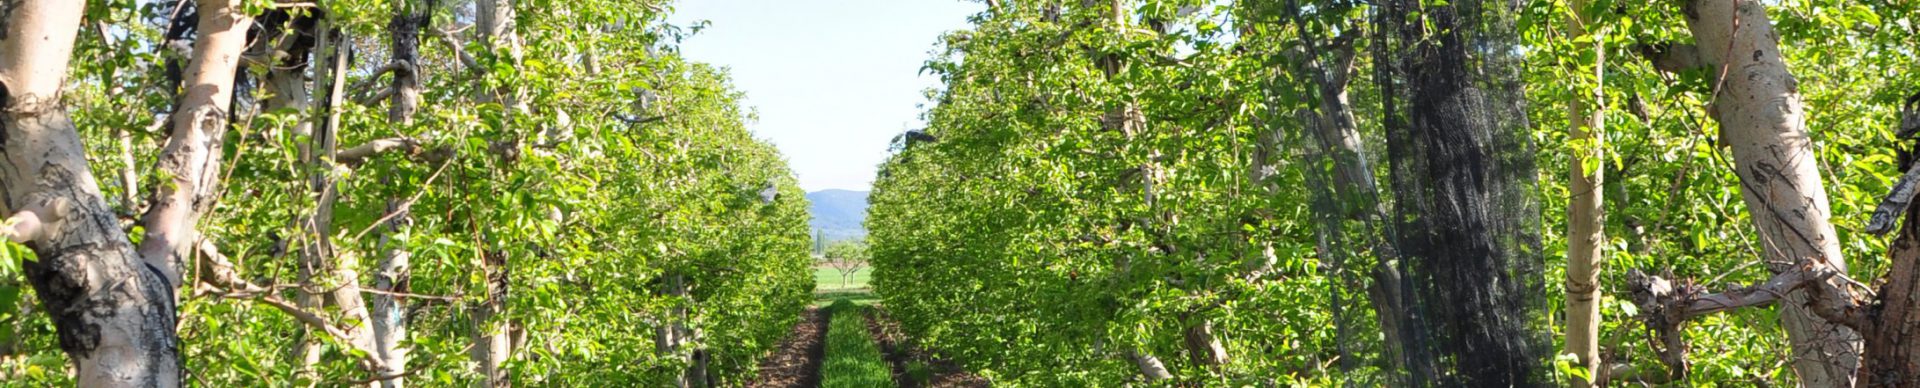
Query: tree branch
x=1888 y=214
x=1672 y=57
x=1687 y=300
x=360 y=153
x=227 y=283
x=1665 y=305
x=637 y=120
x=375 y=98
x=26 y=224
x=459 y=46
x=1910 y=117
x=397 y=66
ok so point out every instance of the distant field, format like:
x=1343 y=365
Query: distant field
x=827 y=287
x=828 y=279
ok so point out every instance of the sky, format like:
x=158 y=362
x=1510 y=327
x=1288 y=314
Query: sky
x=832 y=81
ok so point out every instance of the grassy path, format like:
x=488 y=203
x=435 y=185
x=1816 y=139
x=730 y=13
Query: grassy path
x=853 y=360
x=846 y=340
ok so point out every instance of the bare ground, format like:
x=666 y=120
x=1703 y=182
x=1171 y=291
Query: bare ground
x=796 y=363
x=941 y=373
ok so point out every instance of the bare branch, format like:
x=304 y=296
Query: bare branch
x=454 y=298
x=304 y=316
x=459 y=46
x=1888 y=214
x=370 y=149
x=637 y=120
x=1688 y=300
x=1665 y=305
x=228 y=284
x=26 y=224
x=398 y=67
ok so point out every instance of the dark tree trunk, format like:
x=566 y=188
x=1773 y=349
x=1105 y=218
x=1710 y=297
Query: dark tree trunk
x=1463 y=173
x=1897 y=326
x=393 y=272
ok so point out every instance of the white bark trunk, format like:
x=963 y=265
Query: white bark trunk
x=191 y=159
x=113 y=313
x=1586 y=219
x=389 y=314
x=289 y=91
x=1762 y=118
x=343 y=268
x=492 y=345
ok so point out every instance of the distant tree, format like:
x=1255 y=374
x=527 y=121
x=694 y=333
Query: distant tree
x=846 y=257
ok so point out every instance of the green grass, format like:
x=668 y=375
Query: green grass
x=826 y=278
x=858 y=297
x=827 y=287
x=853 y=360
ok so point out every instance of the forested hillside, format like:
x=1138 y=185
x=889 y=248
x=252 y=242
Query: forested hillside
x=1105 y=193
x=838 y=214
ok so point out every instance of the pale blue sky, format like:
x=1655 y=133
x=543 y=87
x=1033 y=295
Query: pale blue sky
x=832 y=80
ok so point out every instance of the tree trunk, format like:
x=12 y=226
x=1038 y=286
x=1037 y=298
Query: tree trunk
x=1129 y=121
x=1353 y=193
x=1757 y=103
x=1330 y=244
x=492 y=343
x=1891 y=359
x=672 y=336
x=289 y=91
x=394 y=271
x=1586 y=217
x=113 y=311
x=343 y=268
x=389 y=313
x=1202 y=346
x=328 y=275
x=191 y=158
x=1463 y=173
x=129 y=172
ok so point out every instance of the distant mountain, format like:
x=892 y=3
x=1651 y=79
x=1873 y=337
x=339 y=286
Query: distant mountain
x=839 y=214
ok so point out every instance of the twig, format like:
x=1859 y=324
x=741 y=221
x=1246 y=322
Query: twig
x=455 y=298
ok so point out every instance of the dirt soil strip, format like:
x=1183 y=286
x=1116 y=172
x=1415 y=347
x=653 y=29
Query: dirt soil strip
x=941 y=373
x=796 y=363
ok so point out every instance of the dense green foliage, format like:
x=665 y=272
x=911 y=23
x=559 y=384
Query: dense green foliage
x=1035 y=237
x=853 y=361
x=1102 y=187
x=631 y=171
x=847 y=250
x=1023 y=240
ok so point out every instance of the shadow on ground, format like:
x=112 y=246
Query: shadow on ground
x=859 y=296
